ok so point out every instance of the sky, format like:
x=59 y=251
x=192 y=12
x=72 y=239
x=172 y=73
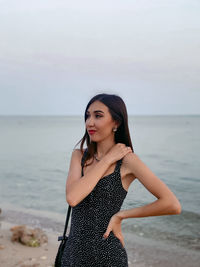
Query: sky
x=57 y=54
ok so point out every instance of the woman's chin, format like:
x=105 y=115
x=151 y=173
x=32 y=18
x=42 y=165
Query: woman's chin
x=94 y=139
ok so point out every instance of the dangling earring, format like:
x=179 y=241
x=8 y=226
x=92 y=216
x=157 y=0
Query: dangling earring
x=114 y=129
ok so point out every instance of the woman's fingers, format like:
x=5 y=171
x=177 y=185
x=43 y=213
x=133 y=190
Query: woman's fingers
x=117 y=152
x=128 y=150
x=125 y=150
x=121 y=239
x=122 y=242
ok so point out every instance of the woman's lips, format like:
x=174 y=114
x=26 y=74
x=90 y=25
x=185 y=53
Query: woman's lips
x=91 y=132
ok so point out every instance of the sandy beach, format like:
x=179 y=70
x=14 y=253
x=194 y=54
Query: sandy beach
x=16 y=254
x=141 y=252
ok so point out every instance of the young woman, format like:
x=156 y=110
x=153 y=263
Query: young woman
x=95 y=237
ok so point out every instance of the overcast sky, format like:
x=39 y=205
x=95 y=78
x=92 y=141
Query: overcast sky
x=56 y=54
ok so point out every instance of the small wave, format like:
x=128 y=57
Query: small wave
x=19 y=217
x=189 y=179
x=183 y=229
x=55 y=170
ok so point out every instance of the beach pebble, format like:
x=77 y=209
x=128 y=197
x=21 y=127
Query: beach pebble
x=2 y=247
x=43 y=257
x=32 y=259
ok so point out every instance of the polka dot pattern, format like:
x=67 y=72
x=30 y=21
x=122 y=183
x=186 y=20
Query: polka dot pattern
x=89 y=220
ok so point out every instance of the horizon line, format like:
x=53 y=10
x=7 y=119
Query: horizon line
x=82 y=115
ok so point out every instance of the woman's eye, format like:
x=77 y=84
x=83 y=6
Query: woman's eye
x=98 y=116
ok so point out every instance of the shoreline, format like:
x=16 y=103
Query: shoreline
x=141 y=252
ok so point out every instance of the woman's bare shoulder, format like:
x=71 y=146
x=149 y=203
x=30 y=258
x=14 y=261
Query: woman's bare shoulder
x=130 y=158
x=131 y=161
x=77 y=152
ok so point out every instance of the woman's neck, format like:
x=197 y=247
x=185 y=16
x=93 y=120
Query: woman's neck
x=103 y=147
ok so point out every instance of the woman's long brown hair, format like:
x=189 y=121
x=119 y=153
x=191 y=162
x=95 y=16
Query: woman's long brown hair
x=118 y=111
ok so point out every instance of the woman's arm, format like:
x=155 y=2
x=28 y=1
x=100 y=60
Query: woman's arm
x=166 y=202
x=77 y=187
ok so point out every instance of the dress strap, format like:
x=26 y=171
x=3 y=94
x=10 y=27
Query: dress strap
x=83 y=160
x=118 y=165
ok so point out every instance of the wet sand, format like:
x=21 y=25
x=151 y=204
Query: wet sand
x=141 y=252
x=16 y=254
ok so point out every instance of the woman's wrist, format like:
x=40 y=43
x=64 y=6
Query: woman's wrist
x=106 y=160
x=120 y=215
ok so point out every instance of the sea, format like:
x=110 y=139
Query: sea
x=35 y=154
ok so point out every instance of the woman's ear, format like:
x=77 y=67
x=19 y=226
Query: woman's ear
x=117 y=124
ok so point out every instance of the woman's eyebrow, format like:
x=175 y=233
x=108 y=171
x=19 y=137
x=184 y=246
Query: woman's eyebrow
x=96 y=111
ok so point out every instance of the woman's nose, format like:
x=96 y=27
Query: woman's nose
x=90 y=121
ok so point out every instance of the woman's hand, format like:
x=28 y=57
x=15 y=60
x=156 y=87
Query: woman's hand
x=117 y=152
x=115 y=226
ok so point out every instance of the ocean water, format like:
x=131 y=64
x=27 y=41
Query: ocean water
x=35 y=154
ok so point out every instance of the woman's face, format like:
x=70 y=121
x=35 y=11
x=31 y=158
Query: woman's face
x=99 y=123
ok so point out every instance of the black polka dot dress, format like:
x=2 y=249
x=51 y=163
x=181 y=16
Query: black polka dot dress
x=89 y=220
